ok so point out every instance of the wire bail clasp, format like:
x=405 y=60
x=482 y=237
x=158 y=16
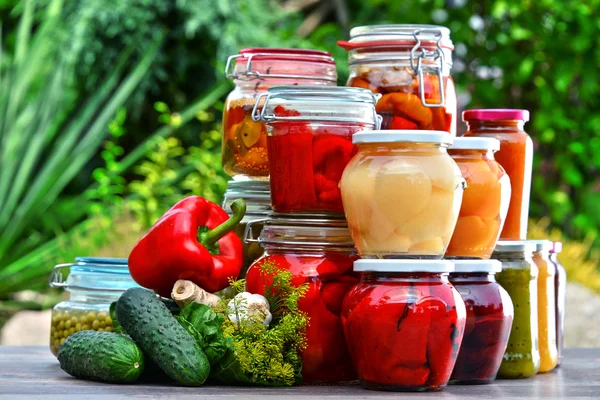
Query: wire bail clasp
x=415 y=64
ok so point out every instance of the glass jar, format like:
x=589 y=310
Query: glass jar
x=404 y=323
x=402 y=194
x=258 y=206
x=93 y=284
x=244 y=151
x=318 y=251
x=310 y=141
x=519 y=277
x=546 y=305
x=489 y=319
x=560 y=284
x=409 y=65
x=485 y=201
x=515 y=156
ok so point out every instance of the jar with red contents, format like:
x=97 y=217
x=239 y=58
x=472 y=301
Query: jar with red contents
x=410 y=66
x=490 y=314
x=319 y=252
x=404 y=323
x=310 y=132
x=244 y=151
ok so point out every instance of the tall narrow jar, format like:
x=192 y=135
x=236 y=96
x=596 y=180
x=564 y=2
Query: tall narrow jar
x=515 y=156
x=519 y=277
x=546 y=305
x=409 y=65
x=560 y=284
x=254 y=71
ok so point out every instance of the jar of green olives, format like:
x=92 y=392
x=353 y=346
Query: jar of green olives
x=93 y=284
x=257 y=195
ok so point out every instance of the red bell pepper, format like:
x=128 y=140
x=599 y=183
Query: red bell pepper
x=193 y=241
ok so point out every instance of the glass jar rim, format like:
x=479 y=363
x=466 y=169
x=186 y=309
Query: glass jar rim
x=514 y=246
x=400 y=265
x=490 y=266
x=402 y=136
x=387 y=35
x=475 y=143
x=495 y=114
x=94 y=274
x=257 y=195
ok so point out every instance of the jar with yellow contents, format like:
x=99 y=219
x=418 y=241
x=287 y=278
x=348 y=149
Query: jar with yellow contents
x=93 y=284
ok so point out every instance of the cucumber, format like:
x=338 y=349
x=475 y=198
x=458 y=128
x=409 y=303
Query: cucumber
x=101 y=356
x=150 y=323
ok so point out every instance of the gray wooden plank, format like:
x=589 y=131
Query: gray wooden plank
x=33 y=372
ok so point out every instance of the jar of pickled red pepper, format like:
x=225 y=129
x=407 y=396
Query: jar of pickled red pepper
x=310 y=132
x=409 y=65
x=258 y=206
x=560 y=285
x=519 y=277
x=546 y=305
x=489 y=319
x=515 y=156
x=319 y=252
x=402 y=194
x=244 y=151
x=93 y=284
x=485 y=200
x=404 y=323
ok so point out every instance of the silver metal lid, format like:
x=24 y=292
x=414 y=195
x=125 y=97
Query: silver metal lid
x=514 y=246
x=257 y=195
x=379 y=35
x=402 y=136
x=475 y=143
x=491 y=266
x=396 y=265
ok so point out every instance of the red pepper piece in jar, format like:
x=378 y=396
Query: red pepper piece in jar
x=402 y=123
x=407 y=105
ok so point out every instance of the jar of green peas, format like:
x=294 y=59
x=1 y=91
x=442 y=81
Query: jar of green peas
x=93 y=284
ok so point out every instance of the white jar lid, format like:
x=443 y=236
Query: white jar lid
x=475 y=143
x=402 y=265
x=491 y=266
x=402 y=136
x=514 y=246
x=541 y=245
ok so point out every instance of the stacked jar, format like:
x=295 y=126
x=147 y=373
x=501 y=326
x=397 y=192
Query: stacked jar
x=309 y=139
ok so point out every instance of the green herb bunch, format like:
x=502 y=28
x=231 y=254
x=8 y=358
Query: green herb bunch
x=250 y=353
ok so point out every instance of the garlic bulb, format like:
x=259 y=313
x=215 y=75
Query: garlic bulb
x=246 y=305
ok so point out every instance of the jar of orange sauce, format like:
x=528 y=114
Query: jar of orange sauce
x=515 y=156
x=485 y=200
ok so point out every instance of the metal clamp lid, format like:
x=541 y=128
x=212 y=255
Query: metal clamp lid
x=316 y=94
x=437 y=54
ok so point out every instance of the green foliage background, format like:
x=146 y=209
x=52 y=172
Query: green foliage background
x=163 y=142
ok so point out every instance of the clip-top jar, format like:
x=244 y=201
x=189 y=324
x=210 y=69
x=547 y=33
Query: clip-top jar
x=519 y=277
x=515 y=156
x=489 y=319
x=546 y=305
x=258 y=207
x=410 y=66
x=253 y=71
x=404 y=323
x=319 y=252
x=560 y=284
x=402 y=194
x=310 y=132
x=93 y=284
x=485 y=200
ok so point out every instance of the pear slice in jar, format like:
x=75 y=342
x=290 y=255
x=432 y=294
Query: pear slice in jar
x=435 y=246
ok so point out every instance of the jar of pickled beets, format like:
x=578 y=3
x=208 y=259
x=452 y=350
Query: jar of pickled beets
x=409 y=65
x=489 y=319
x=402 y=194
x=515 y=156
x=310 y=132
x=546 y=305
x=258 y=207
x=244 y=151
x=519 y=276
x=485 y=200
x=560 y=284
x=318 y=251
x=404 y=323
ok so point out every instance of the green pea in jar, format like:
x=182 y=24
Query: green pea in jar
x=519 y=277
x=93 y=284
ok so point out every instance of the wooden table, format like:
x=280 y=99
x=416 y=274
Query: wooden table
x=34 y=373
